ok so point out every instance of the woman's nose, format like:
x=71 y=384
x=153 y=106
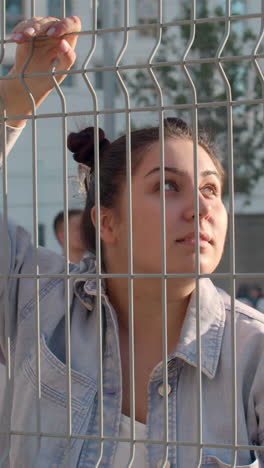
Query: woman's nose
x=204 y=208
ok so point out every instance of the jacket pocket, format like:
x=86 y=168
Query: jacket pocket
x=49 y=415
x=214 y=462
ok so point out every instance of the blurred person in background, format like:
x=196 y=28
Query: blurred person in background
x=249 y=294
x=76 y=245
x=260 y=304
x=243 y=294
x=255 y=293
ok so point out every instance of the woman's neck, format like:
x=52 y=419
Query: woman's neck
x=147 y=308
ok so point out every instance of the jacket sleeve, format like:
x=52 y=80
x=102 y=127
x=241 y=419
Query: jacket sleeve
x=15 y=249
x=13 y=243
x=259 y=409
x=255 y=414
x=8 y=139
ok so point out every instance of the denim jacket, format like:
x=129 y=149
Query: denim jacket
x=19 y=413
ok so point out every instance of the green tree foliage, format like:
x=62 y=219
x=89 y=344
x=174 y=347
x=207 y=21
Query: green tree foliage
x=244 y=81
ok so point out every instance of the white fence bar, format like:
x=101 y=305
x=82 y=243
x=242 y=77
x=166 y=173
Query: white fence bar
x=197 y=235
x=130 y=238
x=67 y=260
x=232 y=263
x=4 y=456
x=95 y=114
x=164 y=461
x=35 y=244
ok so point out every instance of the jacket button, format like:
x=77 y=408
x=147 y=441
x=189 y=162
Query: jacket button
x=161 y=389
x=161 y=464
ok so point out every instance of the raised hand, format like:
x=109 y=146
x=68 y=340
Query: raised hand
x=53 y=39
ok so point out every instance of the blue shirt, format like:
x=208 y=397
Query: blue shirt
x=18 y=321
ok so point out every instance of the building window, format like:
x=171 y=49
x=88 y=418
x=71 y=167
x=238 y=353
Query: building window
x=68 y=81
x=15 y=12
x=4 y=69
x=147 y=13
x=42 y=234
x=100 y=12
x=55 y=8
x=98 y=80
x=99 y=77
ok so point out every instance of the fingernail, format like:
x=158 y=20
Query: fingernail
x=30 y=31
x=64 y=46
x=17 y=36
x=51 y=31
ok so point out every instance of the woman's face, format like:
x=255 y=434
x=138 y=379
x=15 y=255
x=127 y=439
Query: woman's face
x=179 y=209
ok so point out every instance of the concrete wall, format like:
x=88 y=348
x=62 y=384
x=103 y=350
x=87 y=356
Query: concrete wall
x=249 y=249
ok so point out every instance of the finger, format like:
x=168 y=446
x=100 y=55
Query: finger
x=65 y=26
x=49 y=26
x=55 y=26
x=31 y=28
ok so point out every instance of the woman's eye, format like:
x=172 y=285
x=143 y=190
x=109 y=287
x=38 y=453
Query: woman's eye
x=209 y=190
x=170 y=186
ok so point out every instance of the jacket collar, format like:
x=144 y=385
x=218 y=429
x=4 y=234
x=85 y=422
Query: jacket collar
x=86 y=289
x=212 y=323
x=212 y=319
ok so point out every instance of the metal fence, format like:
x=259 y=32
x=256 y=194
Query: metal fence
x=130 y=107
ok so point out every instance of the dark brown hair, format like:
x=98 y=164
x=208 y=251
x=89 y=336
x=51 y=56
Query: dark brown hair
x=112 y=162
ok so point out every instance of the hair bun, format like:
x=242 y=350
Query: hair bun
x=81 y=144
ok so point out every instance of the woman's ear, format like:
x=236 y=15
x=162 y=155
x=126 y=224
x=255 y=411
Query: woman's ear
x=107 y=225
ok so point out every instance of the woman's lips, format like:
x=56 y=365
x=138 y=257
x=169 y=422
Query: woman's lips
x=189 y=239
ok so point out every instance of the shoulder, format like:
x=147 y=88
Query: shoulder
x=241 y=308
x=249 y=321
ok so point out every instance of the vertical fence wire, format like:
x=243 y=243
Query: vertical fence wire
x=129 y=240
x=66 y=256
x=197 y=233
x=67 y=261
x=8 y=389
x=232 y=263
x=35 y=240
x=255 y=52
x=35 y=236
x=98 y=235
x=3 y=30
x=5 y=455
x=63 y=8
x=164 y=460
x=32 y=8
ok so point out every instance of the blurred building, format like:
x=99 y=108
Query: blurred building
x=78 y=100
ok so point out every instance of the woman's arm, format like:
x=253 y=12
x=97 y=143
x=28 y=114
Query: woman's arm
x=53 y=39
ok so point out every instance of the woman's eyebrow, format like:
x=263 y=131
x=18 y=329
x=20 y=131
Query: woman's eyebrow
x=179 y=172
x=208 y=173
x=174 y=170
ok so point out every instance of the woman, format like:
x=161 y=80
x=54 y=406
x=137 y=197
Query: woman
x=82 y=448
